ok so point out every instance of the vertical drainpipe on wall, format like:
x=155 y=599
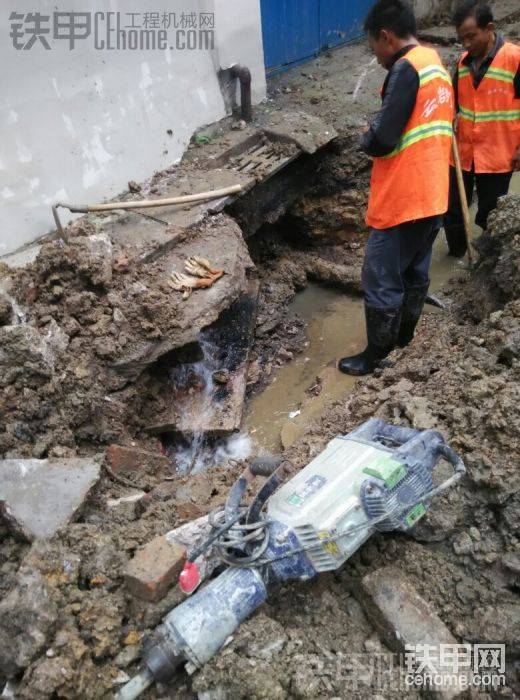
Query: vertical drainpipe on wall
x=244 y=76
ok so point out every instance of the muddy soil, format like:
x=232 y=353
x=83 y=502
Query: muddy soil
x=460 y=376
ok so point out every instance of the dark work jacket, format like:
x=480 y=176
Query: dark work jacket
x=399 y=95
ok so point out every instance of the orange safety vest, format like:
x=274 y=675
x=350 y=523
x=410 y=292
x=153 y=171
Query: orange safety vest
x=488 y=131
x=412 y=182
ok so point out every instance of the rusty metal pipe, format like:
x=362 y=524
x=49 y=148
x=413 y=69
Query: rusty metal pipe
x=244 y=76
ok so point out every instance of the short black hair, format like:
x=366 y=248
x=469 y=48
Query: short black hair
x=473 y=8
x=395 y=15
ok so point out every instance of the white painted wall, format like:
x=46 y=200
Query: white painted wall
x=78 y=125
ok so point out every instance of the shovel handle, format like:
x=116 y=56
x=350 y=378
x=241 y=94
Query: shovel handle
x=463 y=200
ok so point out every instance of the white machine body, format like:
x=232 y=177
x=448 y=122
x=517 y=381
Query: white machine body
x=324 y=499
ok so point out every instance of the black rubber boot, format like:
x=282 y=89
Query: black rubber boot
x=413 y=304
x=456 y=238
x=382 y=332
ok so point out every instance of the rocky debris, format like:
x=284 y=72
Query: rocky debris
x=28 y=616
x=95 y=258
x=130 y=461
x=38 y=497
x=497 y=279
x=134 y=186
x=403 y=618
x=6 y=311
x=24 y=351
x=154 y=569
x=127 y=506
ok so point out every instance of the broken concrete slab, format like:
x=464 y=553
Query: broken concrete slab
x=22 y=257
x=308 y=132
x=403 y=618
x=40 y=496
x=218 y=239
x=244 y=159
x=154 y=569
x=214 y=407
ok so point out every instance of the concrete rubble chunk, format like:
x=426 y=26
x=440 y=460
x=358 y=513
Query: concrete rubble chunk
x=310 y=133
x=154 y=569
x=27 y=619
x=40 y=496
x=23 y=346
x=402 y=617
x=96 y=262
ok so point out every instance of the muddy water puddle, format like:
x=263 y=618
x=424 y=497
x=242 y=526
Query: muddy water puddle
x=335 y=328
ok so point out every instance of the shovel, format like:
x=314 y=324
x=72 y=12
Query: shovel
x=463 y=203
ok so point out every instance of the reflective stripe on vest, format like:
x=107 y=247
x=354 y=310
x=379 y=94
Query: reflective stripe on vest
x=419 y=133
x=432 y=72
x=507 y=116
x=412 y=181
x=488 y=131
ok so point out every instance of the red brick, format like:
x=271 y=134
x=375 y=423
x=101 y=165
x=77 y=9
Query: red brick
x=130 y=460
x=154 y=568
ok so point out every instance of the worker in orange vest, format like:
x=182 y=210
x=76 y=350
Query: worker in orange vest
x=487 y=92
x=410 y=140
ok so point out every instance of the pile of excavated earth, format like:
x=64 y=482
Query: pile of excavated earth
x=77 y=607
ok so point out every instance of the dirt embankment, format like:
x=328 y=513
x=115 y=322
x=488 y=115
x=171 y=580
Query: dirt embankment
x=461 y=376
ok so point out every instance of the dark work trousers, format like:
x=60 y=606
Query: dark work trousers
x=490 y=186
x=398 y=259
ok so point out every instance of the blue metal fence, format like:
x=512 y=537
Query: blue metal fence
x=295 y=30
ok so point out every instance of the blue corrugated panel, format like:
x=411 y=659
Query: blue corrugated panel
x=342 y=21
x=291 y=30
x=294 y=30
